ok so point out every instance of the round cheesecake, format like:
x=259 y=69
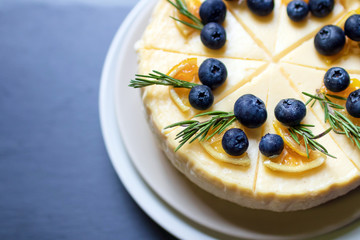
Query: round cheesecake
x=273 y=58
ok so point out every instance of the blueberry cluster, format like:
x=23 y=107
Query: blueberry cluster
x=212 y=14
x=212 y=74
x=251 y=112
x=337 y=79
x=298 y=10
x=330 y=40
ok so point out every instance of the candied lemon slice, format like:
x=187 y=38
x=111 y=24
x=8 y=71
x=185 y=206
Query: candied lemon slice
x=193 y=7
x=291 y=162
x=294 y=157
x=288 y=140
x=186 y=70
x=214 y=147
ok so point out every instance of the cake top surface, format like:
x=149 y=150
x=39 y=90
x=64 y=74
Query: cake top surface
x=272 y=58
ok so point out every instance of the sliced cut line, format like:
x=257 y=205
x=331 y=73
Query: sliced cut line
x=262 y=28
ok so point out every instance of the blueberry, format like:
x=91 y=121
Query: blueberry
x=261 y=7
x=212 y=11
x=271 y=145
x=353 y=104
x=235 y=142
x=250 y=111
x=321 y=8
x=201 y=97
x=213 y=36
x=297 y=10
x=330 y=40
x=336 y=79
x=212 y=73
x=290 y=112
x=352 y=27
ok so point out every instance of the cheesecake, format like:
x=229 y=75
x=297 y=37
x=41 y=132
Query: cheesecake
x=272 y=58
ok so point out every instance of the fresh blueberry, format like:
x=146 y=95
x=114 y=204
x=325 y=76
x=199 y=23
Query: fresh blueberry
x=261 y=7
x=271 y=145
x=353 y=104
x=330 y=40
x=290 y=112
x=213 y=35
x=201 y=97
x=321 y=8
x=213 y=11
x=352 y=27
x=297 y=10
x=250 y=111
x=336 y=79
x=212 y=73
x=235 y=142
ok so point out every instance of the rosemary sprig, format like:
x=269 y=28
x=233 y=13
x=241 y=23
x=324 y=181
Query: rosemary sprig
x=309 y=138
x=220 y=120
x=200 y=130
x=158 y=78
x=339 y=123
x=180 y=5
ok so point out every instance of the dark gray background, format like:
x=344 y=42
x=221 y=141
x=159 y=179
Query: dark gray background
x=56 y=180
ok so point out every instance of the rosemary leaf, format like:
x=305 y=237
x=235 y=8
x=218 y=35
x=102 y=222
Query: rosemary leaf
x=357 y=142
x=212 y=113
x=313 y=103
x=351 y=125
x=312 y=96
x=309 y=101
x=337 y=97
x=322 y=134
x=306 y=146
x=294 y=136
x=307 y=125
x=182 y=123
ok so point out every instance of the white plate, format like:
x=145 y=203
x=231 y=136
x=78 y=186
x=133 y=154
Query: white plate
x=166 y=195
